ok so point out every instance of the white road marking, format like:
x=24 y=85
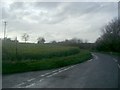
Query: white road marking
x=31 y=79
x=45 y=74
x=54 y=73
x=73 y=66
x=51 y=72
x=119 y=66
x=30 y=85
x=95 y=56
x=41 y=80
x=115 y=59
x=90 y=60
x=60 y=71
x=19 y=85
x=66 y=69
x=61 y=68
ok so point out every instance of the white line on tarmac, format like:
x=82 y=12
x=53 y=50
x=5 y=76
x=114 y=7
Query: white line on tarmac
x=90 y=60
x=115 y=59
x=95 y=56
x=41 y=80
x=60 y=71
x=52 y=74
x=45 y=74
x=118 y=66
x=30 y=85
x=66 y=69
x=61 y=68
x=19 y=84
x=56 y=72
x=31 y=79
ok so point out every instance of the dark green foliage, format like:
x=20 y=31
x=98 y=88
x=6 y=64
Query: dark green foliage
x=55 y=62
x=110 y=40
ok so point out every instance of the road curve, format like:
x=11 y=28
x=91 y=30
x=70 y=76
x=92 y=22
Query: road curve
x=99 y=72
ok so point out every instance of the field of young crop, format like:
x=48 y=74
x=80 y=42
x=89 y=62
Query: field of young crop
x=32 y=57
x=35 y=51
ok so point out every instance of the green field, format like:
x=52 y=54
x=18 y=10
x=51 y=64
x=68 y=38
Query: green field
x=32 y=57
x=35 y=51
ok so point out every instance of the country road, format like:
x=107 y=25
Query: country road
x=99 y=72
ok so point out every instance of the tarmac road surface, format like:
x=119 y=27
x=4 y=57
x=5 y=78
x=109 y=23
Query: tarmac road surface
x=99 y=72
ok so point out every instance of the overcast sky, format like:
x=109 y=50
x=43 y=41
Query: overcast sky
x=57 y=21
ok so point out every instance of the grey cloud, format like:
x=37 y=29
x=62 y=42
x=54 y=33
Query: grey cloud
x=4 y=13
x=59 y=20
x=54 y=15
x=90 y=7
x=47 y=5
x=17 y=6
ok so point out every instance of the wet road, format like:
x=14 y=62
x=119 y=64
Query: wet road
x=99 y=72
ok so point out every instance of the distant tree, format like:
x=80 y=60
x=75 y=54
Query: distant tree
x=76 y=40
x=40 y=40
x=7 y=39
x=80 y=41
x=53 y=42
x=15 y=40
x=86 y=41
x=25 y=37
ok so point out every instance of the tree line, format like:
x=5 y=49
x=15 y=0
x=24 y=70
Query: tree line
x=25 y=37
x=110 y=38
x=108 y=41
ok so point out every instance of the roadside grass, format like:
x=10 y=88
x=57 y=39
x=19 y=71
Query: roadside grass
x=111 y=53
x=43 y=64
x=115 y=54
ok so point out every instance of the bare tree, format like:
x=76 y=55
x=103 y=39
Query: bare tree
x=40 y=40
x=76 y=40
x=25 y=37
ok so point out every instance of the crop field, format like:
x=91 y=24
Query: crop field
x=32 y=57
x=35 y=51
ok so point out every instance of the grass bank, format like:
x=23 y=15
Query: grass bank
x=43 y=64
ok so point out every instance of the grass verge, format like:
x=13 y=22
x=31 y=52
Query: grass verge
x=112 y=53
x=34 y=65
